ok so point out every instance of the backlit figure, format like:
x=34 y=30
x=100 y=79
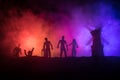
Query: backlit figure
x=63 y=46
x=17 y=51
x=29 y=53
x=74 y=46
x=46 y=48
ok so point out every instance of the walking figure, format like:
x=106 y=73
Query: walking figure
x=46 y=48
x=17 y=51
x=74 y=46
x=29 y=53
x=63 y=46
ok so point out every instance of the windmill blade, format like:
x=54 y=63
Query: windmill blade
x=90 y=28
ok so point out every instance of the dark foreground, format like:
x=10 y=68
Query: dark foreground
x=59 y=68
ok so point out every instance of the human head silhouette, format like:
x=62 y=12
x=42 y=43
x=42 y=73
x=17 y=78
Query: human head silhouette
x=46 y=39
x=74 y=40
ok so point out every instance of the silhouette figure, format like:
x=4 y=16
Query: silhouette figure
x=17 y=51
x=46 y=48
x=97 y=46
x=63 y=46
x=29 y=53
x=74 y=46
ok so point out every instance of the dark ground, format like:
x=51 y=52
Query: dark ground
x=60 y=68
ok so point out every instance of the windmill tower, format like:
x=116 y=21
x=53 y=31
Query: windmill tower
x=97 y=46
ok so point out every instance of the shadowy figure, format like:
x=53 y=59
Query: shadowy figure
x=63 y=46
x=17 y=51
x=74 y=46
x=97 y=46
x=29 y=53
x=46 y=48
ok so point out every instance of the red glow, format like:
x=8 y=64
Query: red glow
x=30 y=42
x=33 y=29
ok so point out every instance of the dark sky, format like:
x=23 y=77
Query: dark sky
x=48 y=5
x=38 y=6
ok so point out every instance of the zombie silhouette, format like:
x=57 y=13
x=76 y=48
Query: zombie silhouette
x=17 y=51
x=46 y=48
x=74 y=46
x=63 y=46
x=29 y=53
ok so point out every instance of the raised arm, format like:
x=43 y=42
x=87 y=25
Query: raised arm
x=32 y=50
x=25 y=52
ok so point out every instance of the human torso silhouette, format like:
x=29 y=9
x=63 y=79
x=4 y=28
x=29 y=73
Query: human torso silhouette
x=74 y=45
x=17 y=51
x=46 y=48
x=63 y=43
x=63 y=46
x=47 y=45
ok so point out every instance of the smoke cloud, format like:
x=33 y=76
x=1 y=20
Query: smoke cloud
x=71 y=20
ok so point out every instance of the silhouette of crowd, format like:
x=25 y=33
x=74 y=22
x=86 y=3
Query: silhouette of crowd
x=97 y=47
x=47 y=46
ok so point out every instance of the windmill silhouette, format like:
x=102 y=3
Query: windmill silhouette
x=97 y=46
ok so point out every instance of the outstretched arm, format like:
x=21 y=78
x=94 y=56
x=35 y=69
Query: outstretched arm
x=70 y=44
x=66 y=45
x=58 y=44
x=51 y=45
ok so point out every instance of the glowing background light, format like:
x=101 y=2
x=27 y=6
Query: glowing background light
x=73 y=22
